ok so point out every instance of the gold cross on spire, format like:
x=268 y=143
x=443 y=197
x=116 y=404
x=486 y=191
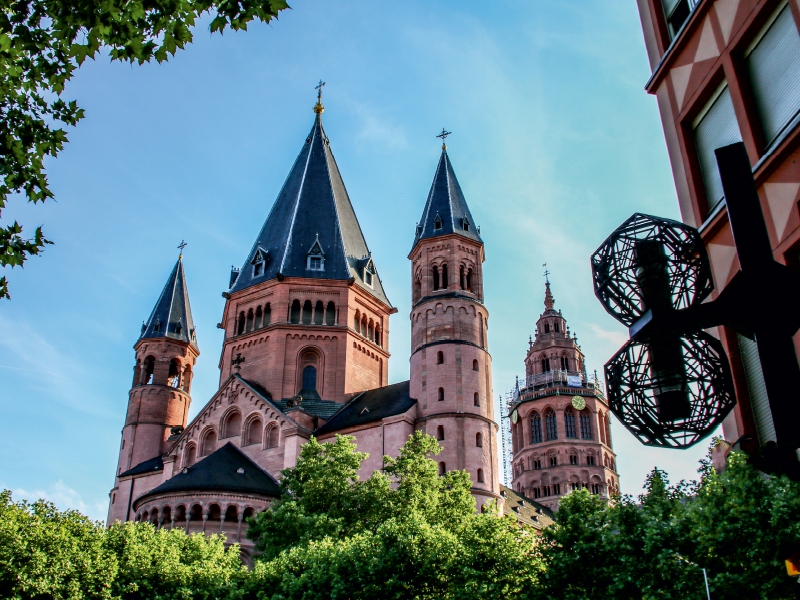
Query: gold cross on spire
x=318 y=107
x=444 y=135
x=181 y=246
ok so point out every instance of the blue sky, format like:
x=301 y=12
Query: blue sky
x=554 y=142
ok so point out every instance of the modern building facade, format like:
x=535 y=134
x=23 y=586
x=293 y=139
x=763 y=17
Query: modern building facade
x=560 y=426
x=726 y=71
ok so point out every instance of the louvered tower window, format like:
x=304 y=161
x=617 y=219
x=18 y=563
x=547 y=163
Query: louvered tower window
x=536 y=429
x=551 y=425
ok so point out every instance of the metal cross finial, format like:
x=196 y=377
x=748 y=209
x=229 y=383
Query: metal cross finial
x=182 y=245
x=546 y=273
x=319 y=89
x=444 y=135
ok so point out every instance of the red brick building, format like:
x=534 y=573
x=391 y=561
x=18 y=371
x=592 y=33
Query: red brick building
x=726 y=71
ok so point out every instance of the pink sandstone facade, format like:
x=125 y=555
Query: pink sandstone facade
x=306 y=325
x=561 y=432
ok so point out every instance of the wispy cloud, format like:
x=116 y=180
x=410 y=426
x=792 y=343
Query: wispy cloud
x=618 y=337
x=380 y=132
x=64 y=497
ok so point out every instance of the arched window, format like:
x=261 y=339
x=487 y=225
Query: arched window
x=442 y=468
x=440 y=358
x=537 y=464
x=310 y=378
x=187 y=378
x=364 y=325
x=536 y=428
x=209 y=443
x=440 y=433
x=249 y=321
x=590 y=460
x=357 y=322
x=174 y=374
x=556 y=327
x=474 y=365
x=469 y=280
x=253 y=434
x=259 y=317
x=551 y=425
x=545 y=364
x=232 y=425
x=435 y=278
x=483 y=339
x=476 y=399
x=272 y=436
x=586 y=424
x=319 y=313
x=149 y=367
x=573 y=458
x=267 y=314
x=547 y=327
x=295 y=317
x=569 y=423
x=553 y=460
x=240 y=324
x=370 y=330
x=441 y=394
x=307 y=312
x=444 y=276
x=378 y=340
x=480 y=475
x=462 y=277
x=479 y=440
x=190 y=455
x=330 y=314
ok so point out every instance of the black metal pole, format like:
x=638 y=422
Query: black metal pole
x=775 y=344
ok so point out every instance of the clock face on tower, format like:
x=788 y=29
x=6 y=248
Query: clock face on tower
x=514 y=416
x=578 y=402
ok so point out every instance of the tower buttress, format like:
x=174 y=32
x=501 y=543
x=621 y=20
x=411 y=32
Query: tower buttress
x=451 y=375
x=159 y=399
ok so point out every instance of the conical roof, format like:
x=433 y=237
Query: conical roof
x=172 y=314
x=446 y=210
x=312 y=217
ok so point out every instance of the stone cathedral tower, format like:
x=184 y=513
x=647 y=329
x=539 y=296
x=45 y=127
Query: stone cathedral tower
x=451 y=370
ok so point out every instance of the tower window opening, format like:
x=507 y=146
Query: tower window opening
x=187 y=378
x=564 y=363
x=477 y=399
x=259 y=318
x=315 y=263
x=551 y=425
x=465 y=224
x=474 y=365
x=174 y=374
x=369 y=273
x=357 y=322
x=310 y=378
x=569 y=423
x=547 y=327
x=440 y=358
x=553 y=461
x=330 y=314
x=537 y=464
x=469 y=280
x=149 y=368
x=586 y=424
x=258 y=269
x=556 y=327
x=440 y=433
x=240 y=323
x=442 y=468
x=435 y=278
x=378 y=341
x=295 y=313
x=250 y=319
x=370 y=330
x=157 y=326
x=590 y=460
x=319 y=313
x=536 y=429
x=444 y=276
x=364 y=325
x=307 y=312
x=545 y=364
x=480 y=475
x=437 y=223
x=479 y=440
x=267 y=314
x=573 y=459
x=441 y=394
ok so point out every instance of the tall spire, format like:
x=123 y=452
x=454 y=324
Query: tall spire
x=548 y=296
x=312 y=218
x=172 y=314
x=446 y=209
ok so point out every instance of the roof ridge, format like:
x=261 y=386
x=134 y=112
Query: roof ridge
x=299 y=193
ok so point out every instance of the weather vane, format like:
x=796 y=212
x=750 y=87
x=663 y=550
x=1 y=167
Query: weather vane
x=546 y=273
x=182 y=245
x=444 y=135
x=318 y=107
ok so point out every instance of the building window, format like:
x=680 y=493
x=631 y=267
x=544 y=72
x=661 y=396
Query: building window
x=716 y=126
x=474 y=365
x=440 y=358
x=536 y=429
x=569 y=423
x=537 y=464
x=465 y=224
x=773 y=61
x=557 y=489
x=595 y=488
x=476 y=399
x=441 y=394
x=315 y=263
x=545 y=364
x=547 y=327
x=551 y=425
x=590 y=460
x=677 y=13
x=480 y=475
x=307 y=312
x=295 y=312
x=586 y=424
x=437 y=223
x=440 y=433
x=564 y=363
x=330 y=314
x=479 y=440
x=316 y=257
x=573 y=459
x=442 y=468
x=435 y=278
x=556 y=327
x=553 y=461
x=310 y=378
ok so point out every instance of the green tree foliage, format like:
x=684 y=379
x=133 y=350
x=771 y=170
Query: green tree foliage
x=405 y=532
x=43 y=42
x=49 y=554
x=733 y=524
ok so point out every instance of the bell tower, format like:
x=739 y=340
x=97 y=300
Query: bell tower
x=158 y=402
x=451 y=370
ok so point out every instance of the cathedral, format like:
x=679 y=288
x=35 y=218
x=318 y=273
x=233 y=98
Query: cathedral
x=305 y=353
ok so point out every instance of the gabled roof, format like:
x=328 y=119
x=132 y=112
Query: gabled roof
x=370 y=406
x=227 y=469
x=313 y=204
x=172 y=315
x=446 y=205
x=526 y=510
x=147 y=466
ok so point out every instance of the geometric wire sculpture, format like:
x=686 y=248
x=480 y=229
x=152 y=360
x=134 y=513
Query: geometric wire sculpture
x=616 y=272
x=633 y=391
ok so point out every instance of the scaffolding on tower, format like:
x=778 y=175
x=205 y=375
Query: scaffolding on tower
x=507 y=402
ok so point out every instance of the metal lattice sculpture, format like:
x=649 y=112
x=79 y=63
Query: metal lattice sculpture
x=617 y=273
x=634 y=391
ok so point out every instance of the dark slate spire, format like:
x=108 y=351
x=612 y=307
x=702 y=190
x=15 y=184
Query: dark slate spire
x=311 y=230
x=446 y=210
x=172 y=315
